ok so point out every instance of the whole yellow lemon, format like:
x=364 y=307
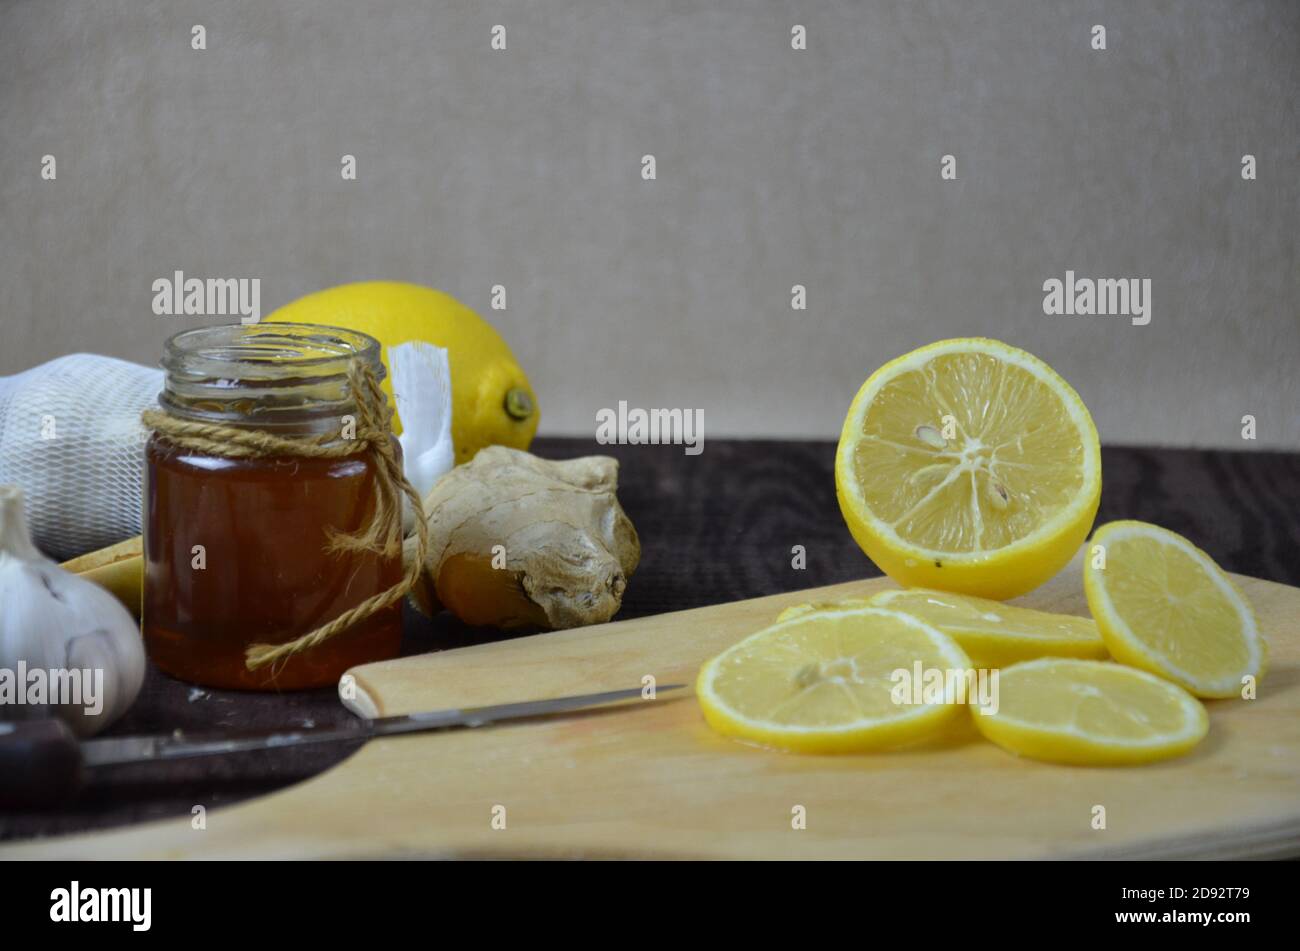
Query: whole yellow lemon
x=492 y=400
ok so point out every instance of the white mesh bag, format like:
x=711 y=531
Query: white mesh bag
x=70 y=435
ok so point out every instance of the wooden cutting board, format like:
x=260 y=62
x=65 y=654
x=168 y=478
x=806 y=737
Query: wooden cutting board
x=651 y=780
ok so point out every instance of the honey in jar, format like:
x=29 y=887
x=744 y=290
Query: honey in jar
x=237 y=550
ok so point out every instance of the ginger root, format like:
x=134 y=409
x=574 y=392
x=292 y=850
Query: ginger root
x=518 y=541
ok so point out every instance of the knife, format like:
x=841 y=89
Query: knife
x=42 y=762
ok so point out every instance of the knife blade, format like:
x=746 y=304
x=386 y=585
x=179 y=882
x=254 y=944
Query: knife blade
x=41 y=759
x=133 y=749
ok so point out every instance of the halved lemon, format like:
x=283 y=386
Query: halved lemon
x=1163 y=605
x=1089 y=713
x=971 y=466
x=825 y=682
x=994 y=634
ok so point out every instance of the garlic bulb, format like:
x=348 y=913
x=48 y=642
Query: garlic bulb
x=67 y=646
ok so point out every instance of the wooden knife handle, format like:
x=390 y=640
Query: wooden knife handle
x=40 y=763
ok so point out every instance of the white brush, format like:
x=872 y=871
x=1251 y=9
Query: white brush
x=422 y=389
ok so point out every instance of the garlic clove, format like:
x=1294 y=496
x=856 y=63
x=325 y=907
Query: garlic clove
x=71 y=639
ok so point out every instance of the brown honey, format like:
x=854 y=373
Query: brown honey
x=236 y=550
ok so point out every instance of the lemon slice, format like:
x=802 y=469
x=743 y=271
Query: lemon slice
x=1163 y=605
x=968 y=466
x=994 y=634
x=991 y=633
x=1090 y=713
x=808 y=607
x=824 y=682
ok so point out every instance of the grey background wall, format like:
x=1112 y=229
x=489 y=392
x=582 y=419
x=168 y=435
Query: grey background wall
x=775 y=167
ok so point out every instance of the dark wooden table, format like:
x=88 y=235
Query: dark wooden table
x=715 y=527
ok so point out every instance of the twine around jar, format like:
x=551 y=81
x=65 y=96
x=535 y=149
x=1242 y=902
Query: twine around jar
x=383 y=536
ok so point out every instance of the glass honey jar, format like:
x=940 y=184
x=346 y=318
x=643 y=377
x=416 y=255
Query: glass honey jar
x=237 y=550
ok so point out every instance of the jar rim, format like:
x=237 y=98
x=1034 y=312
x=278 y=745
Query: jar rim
x=240 y=343
x=269 y=373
